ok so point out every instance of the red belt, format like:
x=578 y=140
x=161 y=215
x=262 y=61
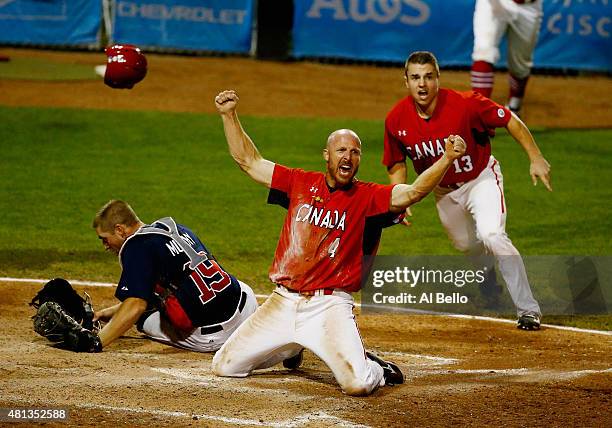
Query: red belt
x=310 y=293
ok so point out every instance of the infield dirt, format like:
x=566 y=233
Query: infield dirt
x=189 y=84
x=459 y=371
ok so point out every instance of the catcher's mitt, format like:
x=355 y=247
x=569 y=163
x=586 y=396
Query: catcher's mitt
x=60 y=291
x=65 y=317
x=54 y=323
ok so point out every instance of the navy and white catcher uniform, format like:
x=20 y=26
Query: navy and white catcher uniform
x=193 y=303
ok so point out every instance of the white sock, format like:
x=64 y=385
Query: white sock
x=514 y=103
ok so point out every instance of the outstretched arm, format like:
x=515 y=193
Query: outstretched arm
x=539 y=168
x=240 y=145
x=124 y=317
x=398 y=175
x=404 y=195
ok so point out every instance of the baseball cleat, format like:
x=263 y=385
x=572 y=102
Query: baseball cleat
x=528 y=322
x=391 y=372
x=294 y=362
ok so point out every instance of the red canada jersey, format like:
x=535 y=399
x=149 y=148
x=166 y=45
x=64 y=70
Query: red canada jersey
x=326 y=233
x=468 y=114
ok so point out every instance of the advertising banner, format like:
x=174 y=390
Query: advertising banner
x=50 y=22
x=574 y=34
x=386 y=30
x=211 y=25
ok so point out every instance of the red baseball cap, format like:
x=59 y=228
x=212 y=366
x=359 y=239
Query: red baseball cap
x=126 y=66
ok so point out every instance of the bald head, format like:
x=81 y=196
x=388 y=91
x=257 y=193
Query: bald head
x=342 y=135
x=343 y=155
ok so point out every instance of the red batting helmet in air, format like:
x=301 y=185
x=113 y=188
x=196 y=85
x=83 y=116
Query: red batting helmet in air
x=126 y=66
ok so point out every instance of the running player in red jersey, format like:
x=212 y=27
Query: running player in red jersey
x=470 y=198
x=333 y=220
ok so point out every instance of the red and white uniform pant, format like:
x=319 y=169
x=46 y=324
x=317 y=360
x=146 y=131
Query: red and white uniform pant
x=288 y=322
x=520 y=22
x=474 y=216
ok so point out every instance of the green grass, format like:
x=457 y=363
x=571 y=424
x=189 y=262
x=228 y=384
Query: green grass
x=592 y=322
x=58 y=166
x=44 y=69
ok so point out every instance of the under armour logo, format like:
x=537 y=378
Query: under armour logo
x=402 y=133
x=314 y=189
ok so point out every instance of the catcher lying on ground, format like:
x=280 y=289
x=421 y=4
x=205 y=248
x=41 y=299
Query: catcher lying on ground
x=171 y=287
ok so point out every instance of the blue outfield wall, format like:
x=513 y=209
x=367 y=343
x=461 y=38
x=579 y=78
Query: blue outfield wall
x=210 y=25
x=198 y=25
x=50 y=22
x=575 y=34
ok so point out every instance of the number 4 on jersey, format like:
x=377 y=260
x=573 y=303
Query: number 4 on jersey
x=333 y=248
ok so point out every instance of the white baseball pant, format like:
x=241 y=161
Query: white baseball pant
x=288 y=322
x=158 y=328
x=521 y=23
x=474 y=217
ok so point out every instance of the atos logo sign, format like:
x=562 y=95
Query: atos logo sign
x=408 y=12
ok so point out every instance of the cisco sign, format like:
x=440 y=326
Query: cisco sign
x=584 y=25
x=576 y=34
x=571 y=17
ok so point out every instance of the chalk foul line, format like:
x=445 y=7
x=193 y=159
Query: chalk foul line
x=263 y=296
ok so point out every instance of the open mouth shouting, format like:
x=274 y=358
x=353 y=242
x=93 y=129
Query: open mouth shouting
x=422 y=94
x=345 y=170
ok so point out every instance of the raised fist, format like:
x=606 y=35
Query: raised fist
x=454 y=147
x=226 y=101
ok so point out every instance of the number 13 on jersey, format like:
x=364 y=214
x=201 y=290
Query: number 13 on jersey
x=464 y=164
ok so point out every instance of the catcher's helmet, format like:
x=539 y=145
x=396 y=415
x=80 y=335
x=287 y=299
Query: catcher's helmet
x=126 y=66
